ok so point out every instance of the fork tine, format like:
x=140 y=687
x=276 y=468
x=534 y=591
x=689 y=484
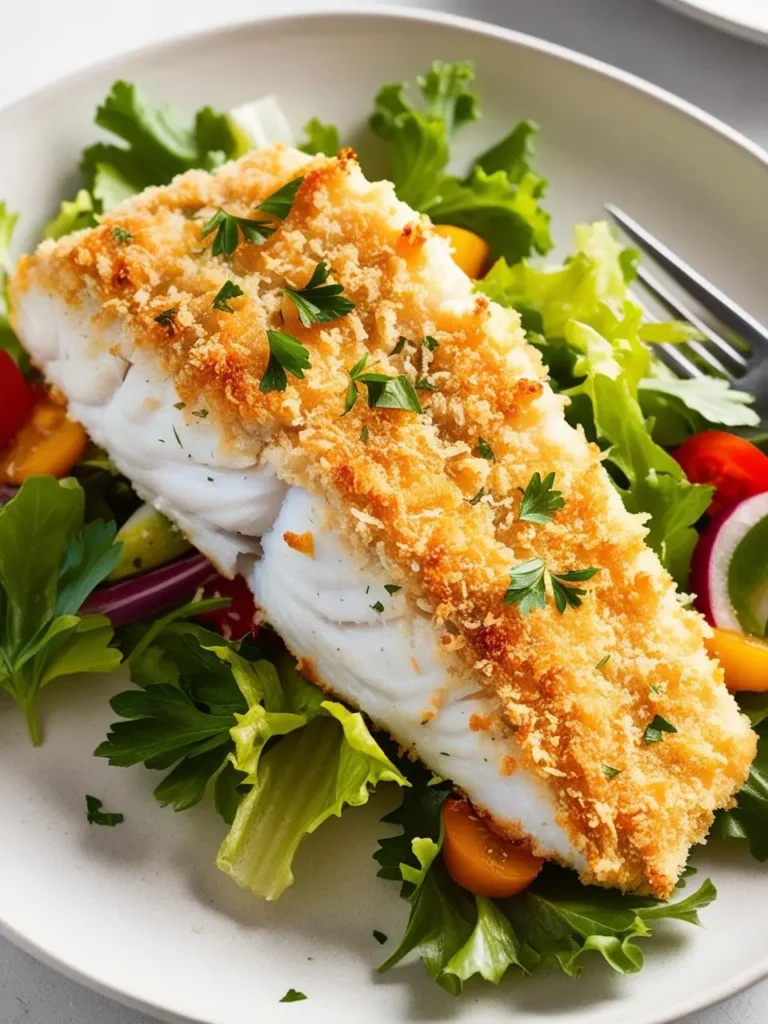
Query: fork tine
x=677 y=361
x=710 y=297
x=726 y=359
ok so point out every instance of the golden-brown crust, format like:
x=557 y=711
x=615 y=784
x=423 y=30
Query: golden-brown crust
x=403 y=494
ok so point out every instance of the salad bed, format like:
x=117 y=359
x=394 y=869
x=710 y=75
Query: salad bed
x=218 y=705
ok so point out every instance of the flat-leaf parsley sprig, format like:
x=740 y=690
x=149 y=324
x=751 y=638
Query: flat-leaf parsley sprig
x=318 y=302
x=528 y=586
x=383 y=392
x=285 y=354
x=539 y=501
x=228 y=227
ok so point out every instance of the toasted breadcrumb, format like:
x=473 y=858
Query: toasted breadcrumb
x=404 y=494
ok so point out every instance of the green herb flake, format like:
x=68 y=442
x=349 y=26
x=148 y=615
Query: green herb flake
x=477 y=497
x=655 y=688
x=401 y=343
x=380 y=937
x=378 y=607
x=121 y=236
x=603 y=662
x=608 y=772
x=96 y=816
x=364 y=435
x=201 y=414
x=392 y=588
x=178 y=439
x=318 y=302
x=528 y=586
x=422 y=384
x=484 y=450
x=286 y=354
x=293 y=996
x=383 y=392
x=280 y=203
x=430 y=343
x=167 y=317
x=228 y=228
x=539 y=502
x=179 y=405
x=655 y=731
x=229 y=290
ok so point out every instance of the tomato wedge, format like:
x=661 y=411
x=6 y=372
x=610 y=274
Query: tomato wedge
x=16 y=398
x=479 y=859
x=744 y=660
x=734 y=467
x=237 y=620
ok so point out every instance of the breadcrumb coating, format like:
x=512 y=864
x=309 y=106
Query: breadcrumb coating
x=404 y=494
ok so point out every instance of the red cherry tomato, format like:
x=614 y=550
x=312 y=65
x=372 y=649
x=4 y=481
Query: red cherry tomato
x=733 y=466
x=16 y=398
x=237 y=620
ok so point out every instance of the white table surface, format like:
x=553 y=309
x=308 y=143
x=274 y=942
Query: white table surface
x=44 y=39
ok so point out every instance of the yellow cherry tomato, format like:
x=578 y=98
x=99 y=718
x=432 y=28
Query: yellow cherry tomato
x=470 y=251
x=744 y=660
x=479 y=859
x=48 y=443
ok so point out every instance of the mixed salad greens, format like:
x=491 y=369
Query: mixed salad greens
x=218 y=707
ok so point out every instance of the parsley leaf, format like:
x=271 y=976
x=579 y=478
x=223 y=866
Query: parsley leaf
x=392 y=588
x=364 y=435
x=279 y=204
x=229 y=290
x=383 y=392
x=378 y=607
x=401 y=343
x=422 y=384
x=603 y=662
x=484 y=450
x=608 y=772
x=320 y=138
x=122 y=236
x=430 y=343
x=528 y=586
x=380 y=937
x=477 y=497
x=96 y=816
x=293 y=996
x=285 y=354
x=228 y=227
x=655 y=731
x=318 y=302
x=167 y=317
x=43 y=634
x=539 y=502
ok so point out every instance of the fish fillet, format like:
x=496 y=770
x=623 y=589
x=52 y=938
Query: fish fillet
x=510 y=707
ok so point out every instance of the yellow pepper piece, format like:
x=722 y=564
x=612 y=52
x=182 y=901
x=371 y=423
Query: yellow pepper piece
x=470 y=251
x=48 y=443
x=744 y=660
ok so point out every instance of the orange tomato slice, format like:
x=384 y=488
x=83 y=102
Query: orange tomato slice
x=47 y=444
x=744 y=660
x=479 y=859
x=470 y=251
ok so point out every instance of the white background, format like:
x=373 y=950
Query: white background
x=44 y=39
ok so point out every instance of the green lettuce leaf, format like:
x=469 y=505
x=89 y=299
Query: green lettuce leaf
x=42 y=634
x=8 y=340
x=556 y=920
x=72 y=216
x=748 y=820
x=327 y=761
x=320 y=138
x=693 y=405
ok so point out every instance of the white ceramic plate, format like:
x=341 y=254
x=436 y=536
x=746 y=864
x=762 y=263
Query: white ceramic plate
x=746 y=18
x=140 y=912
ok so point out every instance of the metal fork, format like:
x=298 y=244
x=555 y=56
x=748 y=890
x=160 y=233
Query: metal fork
x=747 y=367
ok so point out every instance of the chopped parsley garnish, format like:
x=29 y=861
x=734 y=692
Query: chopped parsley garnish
x=422 y=384
x=608 y=772
x=179 y=405
x=318 y=302
x=484 y=450
x=378 y=607
x=430 y=343
x=227 y=227
x=383 y=392
x=603 y=662
x=121 y=236
x=392 y=588
x=477 y=497
x=293 y=996
x=229 y=290
x=166 y=317
x=280 y=203
x=401 y=343
x=528 y=586
x=655 y=688
x=178 y=439
x=200 y=413
x=364 y=435
x=540 y=502
x=655 y=731
x=96 y=816
x=286 y=354
x=380 y=937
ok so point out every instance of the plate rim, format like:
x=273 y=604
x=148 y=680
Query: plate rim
x=720 y=22
x=392 y=12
